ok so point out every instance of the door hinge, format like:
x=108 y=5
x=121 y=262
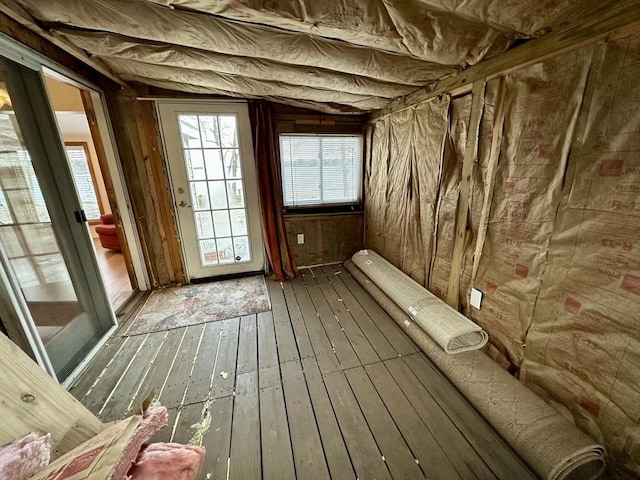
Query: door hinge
x=80 y=216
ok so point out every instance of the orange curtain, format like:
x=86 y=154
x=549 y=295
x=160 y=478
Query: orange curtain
x=270 y=186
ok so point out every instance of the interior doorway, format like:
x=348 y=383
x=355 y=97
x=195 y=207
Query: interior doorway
x=91 y=176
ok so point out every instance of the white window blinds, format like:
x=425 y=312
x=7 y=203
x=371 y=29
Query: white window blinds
x=320 y=169
x=79 y=162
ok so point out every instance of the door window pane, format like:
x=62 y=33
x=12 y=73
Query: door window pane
x=218 y=195
x=213 y=161
x=235 y=194
x=241 y=246
x=211 y=152
x=204 y=225
x=225 y=250
x=208 y=252
x=189 y=131
x=232 y=167
x=209 y=131
x=199 y=195
x=238 y=222
x=223 y=226
x=195 y=165
x=228 y=131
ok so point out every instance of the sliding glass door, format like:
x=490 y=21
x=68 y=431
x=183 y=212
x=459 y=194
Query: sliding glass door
x=45 y=248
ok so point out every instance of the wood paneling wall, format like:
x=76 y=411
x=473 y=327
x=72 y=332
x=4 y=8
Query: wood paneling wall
x=138 y=143
x=327 y=238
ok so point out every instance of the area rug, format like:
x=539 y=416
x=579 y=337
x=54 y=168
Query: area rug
x=176 y=307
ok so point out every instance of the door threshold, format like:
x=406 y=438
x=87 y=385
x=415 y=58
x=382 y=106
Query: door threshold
x=128 y=311
x=229 y=276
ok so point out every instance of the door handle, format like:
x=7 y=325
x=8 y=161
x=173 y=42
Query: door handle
x=183 y=204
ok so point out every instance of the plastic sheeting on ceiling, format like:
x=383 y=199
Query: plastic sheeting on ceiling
x=334 y=55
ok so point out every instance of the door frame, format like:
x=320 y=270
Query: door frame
x=165 y=108
x=14 y=51
x=37 y=125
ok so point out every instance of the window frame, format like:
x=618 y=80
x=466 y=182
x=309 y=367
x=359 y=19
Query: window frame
x=68 y=145
x=323 y=208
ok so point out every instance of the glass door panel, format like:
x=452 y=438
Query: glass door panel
x=59 y=293
x=213 y=172
x=210 y=148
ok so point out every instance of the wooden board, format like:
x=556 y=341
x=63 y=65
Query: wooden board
x=366 y=457
x=247 y=345
x=322 y=346
x=308 y=454
x=287 y=346
x=217 y=440
x=437 y=422
x=400 y=341
x=224 y=374
x=89 y=376
x=300 y=330
x=245 y=459
x=287 y=419
x=159 y=368
x=462 y=229
x=189 y=417
x=334 y=448
x=117 y=404
x=376 y=338
x=200 y=382
x=174 y=389
x=268 y=363
x=332 y=326
x=397 y=455
x=359 y=342
x=109 y=377
x=433 y=459
x=277 y=455
x=30 y=400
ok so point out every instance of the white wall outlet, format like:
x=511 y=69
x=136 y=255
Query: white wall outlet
x=300 y=238
x=476 y=298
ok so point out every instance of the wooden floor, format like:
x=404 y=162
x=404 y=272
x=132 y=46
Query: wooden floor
x=323 y=386
x=115 y=275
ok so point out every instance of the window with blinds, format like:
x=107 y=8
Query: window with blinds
x=79 y=161
x=321 y=169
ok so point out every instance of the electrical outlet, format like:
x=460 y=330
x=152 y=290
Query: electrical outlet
x=476 y=298
x=300 y=238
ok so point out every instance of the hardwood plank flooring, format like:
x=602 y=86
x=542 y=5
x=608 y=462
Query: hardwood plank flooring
x=323 y=386
x=114 y=273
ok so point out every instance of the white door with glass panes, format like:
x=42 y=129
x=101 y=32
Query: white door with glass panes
x=213 y=177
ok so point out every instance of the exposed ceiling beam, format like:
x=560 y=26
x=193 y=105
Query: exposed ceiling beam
x=197 y=89
x=418 y=28
x=621 y=18
x=19 y=14
x=133 y=69
x=111 y=45
x=143 y=20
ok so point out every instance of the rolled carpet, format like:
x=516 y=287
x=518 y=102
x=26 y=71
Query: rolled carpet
x=555 y=448
x=450 y=329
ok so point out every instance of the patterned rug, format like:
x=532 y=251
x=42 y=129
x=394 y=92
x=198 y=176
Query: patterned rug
x=176 y=307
